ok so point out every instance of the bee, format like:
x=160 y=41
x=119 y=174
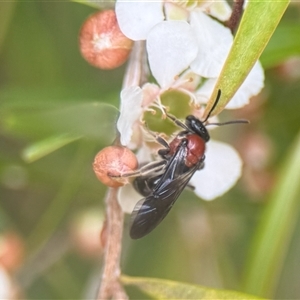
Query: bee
x=164 y=181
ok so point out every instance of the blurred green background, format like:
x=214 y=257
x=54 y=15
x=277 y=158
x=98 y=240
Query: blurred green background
x=47 y=89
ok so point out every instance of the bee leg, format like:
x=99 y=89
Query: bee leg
x=190 y=187
x=158 y=138
x=144 y=170
x=178 y=122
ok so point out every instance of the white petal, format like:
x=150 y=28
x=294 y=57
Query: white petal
x=214 y=42
x=136 y=18
x=150 y=93
x=128 y=197
x=171 y=48
x=252 y=85
x=221 y=171
x=130 y=112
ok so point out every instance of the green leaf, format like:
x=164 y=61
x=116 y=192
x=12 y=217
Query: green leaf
x=273 y=234
x=44 y=147
x=258 y=23
x=284 y=43
x=89 y=120
x=167 y=289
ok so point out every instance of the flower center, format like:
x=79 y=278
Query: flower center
x=177 y=103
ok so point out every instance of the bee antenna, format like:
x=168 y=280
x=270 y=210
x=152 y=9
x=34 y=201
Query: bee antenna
x=230 y=122
x=214 y=106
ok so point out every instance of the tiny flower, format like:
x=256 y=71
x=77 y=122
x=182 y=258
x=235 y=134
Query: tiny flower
x=186 y=51
x=194 y=40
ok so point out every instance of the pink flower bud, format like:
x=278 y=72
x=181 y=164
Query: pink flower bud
x=114 y=161
x=102 y=43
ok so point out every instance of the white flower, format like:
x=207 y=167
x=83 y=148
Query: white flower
x=222 y=163
x=197 y=43
x=184 y=45
x=173 y=46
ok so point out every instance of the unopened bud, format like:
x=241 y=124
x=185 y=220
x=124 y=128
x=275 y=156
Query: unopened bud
x=114 y=161
x=102 y=43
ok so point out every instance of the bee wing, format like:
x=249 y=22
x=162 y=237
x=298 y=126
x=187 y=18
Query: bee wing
x=150 y=211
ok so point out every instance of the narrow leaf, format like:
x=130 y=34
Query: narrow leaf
x=274 y=232
x=167 y=289
x=90 y=120
x=44 y=147
x=258 y=23
x=60 y=204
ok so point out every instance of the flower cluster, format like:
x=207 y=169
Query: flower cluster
x=186 y=45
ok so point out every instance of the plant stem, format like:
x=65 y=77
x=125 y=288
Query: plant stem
x=237 y=11
x=110 y=286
